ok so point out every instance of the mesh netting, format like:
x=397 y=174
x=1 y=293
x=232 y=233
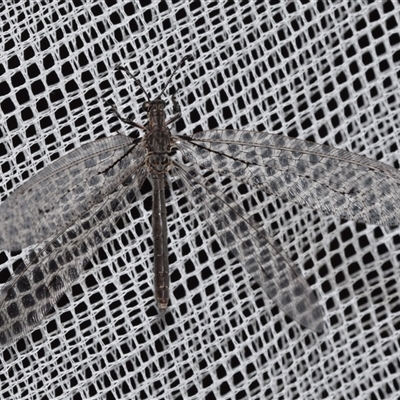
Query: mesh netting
x=326 y=72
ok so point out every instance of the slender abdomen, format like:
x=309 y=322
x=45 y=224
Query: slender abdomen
x=160 y=231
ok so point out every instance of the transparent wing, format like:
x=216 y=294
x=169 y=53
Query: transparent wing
x=66 y=189
x=114 y=177
x=264 y=259
x=48 y=272
x=320 y=177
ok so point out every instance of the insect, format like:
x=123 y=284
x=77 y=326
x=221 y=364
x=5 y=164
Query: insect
x=71 y=206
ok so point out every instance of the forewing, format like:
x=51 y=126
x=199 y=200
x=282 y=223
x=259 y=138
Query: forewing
x=63 y=191
x=48 y=272
x=334 y=181
x=264 y=259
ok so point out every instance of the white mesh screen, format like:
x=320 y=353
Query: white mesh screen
x=323 y=71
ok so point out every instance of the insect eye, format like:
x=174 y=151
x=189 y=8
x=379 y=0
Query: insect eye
x=146 y=106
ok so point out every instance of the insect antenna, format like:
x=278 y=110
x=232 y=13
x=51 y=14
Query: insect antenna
x=172 y=75
x=134 y=77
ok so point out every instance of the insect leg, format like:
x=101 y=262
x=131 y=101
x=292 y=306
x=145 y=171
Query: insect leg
x=128 y=121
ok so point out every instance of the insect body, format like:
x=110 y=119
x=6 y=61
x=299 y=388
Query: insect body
x=159 y=145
